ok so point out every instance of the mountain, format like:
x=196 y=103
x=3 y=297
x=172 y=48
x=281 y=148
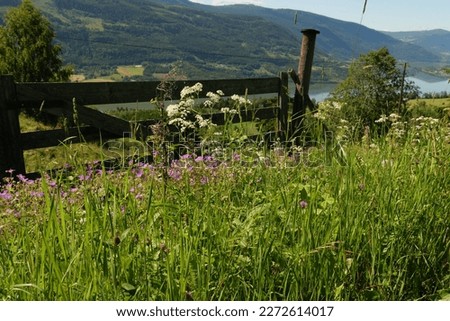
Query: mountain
x=156 y=34
x=208 y=41
x=340 y=39
x=436 y=41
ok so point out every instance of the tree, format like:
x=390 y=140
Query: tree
x=373 y=87
x=447 y=71
x=26 y=47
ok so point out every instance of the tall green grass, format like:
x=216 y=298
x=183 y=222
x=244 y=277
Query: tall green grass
x=339 y=220
x=369 y=223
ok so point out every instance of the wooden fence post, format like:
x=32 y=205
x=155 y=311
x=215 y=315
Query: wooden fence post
x=301 y=99
x=283 y=96
x=11 y=154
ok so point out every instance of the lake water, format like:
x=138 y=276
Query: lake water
x=429 y=85
x=426 y=86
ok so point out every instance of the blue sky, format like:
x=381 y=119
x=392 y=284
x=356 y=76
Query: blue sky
x=386 y=15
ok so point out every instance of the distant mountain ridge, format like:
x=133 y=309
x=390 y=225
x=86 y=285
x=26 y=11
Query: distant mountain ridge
x=341 y=39
x=436 y=41
x=211 y=41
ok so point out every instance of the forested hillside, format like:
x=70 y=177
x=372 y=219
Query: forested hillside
x=208 y=41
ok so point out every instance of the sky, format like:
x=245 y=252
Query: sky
x=382 y=15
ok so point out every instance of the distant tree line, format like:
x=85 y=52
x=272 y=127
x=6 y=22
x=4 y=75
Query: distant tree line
x=434 y=95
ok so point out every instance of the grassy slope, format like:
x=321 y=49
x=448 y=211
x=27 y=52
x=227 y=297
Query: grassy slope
x=436 y=108
x=55 y=157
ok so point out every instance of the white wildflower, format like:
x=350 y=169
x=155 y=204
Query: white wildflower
x=241 y=100
x=336 y=105
x=182 y=124
x=319 y=115
x=190 y=91
x=213 y=98
x=198 y=87
x=394 y=117
x=202 y=122
x=230 y=111
x=208 y=103
x=172 y=110
x=382 y=119
x=187 y=103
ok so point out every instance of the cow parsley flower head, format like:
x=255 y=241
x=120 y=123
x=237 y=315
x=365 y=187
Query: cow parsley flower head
x=183 y=124
x=201 y=122
x=394 y=117
x=241 y=100
x=172 y=110
x=214 y=98
x=191 y=91
x=227 y=110
x=382 y=119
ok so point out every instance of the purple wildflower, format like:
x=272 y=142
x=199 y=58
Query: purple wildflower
x=139 y=173
x=204 y=180
x=84 y=177
x=37 y=194
x=22 y=178
x=303 y=204
x=174 y=174
x=5 y=195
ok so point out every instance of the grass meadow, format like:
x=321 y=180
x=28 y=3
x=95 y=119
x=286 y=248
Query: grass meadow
x=340 y=220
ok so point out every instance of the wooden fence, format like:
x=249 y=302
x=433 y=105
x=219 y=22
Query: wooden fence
x=59 y=99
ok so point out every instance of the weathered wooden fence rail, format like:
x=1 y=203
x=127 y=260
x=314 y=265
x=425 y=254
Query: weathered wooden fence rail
x=59 y=99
